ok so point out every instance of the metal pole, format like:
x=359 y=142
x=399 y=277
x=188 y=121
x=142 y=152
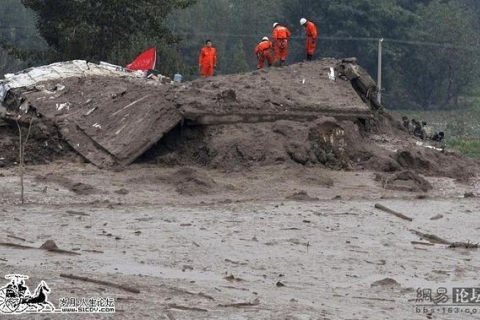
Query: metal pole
x=379 y=79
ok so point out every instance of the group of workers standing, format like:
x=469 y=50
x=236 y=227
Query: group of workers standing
x=263 y=51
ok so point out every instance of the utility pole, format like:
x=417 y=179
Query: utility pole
x=379 y=79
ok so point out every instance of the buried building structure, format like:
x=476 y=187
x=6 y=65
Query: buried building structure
x=315 y=113
x=111 y=117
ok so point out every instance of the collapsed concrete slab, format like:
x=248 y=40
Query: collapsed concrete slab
x=108 y=116
x=300 y=92
x=111 y=117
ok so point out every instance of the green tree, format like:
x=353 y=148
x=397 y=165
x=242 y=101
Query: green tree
x=18 y=34
x=239 y=60
x=99 y=29
x=435 y=77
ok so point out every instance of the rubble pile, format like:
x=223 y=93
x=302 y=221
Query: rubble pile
x=300 y=114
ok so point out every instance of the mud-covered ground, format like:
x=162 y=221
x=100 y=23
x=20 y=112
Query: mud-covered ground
x=286 y=242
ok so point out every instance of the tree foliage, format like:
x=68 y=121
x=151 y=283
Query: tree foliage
x=18 y=36
x=101 y=29
x=435 y=77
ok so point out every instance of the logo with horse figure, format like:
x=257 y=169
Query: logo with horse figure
x=16 y=298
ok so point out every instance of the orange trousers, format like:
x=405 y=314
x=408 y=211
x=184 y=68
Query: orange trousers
x=265 y=55
x=281 y=50
x=207 y=70
x=311 y=45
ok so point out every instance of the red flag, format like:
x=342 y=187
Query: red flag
x=145 y=61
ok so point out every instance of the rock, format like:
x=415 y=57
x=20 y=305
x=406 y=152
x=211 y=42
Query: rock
x=437 y=217
x=469 y=195
x=49 y=245
x=386 y=283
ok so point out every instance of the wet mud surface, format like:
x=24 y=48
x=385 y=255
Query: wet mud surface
x=251 y=244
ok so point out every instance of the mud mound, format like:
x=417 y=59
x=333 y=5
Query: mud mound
x=404 y=181
x=230 y=147
x=317 y=180
x=44 y=145
x=188 y=181
x=386 y=283
x=431 y=162
x=297 y=89
x=76 y=187
x=386 y=147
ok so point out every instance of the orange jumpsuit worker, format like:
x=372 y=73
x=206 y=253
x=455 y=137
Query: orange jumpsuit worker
x=280 y=39
x=312 y=35
x=262 y=50
x=207 y=59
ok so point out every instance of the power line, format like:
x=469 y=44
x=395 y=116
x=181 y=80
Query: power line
x=359 y=39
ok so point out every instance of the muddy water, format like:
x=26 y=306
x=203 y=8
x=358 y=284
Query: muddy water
x=327 y=254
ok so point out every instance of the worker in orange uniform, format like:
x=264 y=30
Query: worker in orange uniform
x=280 y=41
x=263 y=52
x=312 y=35
x=207 y=59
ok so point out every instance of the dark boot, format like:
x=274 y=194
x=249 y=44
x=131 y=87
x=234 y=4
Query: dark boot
x=309 y=57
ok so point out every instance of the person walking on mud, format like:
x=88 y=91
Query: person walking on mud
x=312 y=35
x=207 y=60
x=263 y=52
x=280 y=37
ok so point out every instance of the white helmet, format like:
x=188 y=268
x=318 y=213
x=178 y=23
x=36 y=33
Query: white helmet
x=275 y=24
x=265 y=39
x=303 y=21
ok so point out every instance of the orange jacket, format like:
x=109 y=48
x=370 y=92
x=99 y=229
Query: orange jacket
x=208 y=56
x=311 y=30
x=262 y=46
x=281 y=32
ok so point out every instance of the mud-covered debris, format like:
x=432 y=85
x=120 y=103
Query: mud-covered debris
x=404 y=181
x=190 y=182
x=464 y=245
x=469 y=195
x=122 y=191
x=101 y=282
x=422 y=243
x=236 y=262
x=301 y=196
x=79 y=188
x=185 y=308
x=15 y=237
x=430 y=237
x=255 y=302
x=77 y=213
x=227 y=95
x=386 y=283
x=388 y=210
x=49 y=245
x=232 y=278
x=437 y=217
x=280 y=284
